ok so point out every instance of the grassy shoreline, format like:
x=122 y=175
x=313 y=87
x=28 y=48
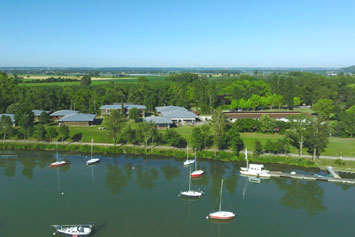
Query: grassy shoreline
x=176 y=153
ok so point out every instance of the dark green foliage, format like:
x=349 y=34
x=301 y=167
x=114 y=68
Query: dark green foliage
x=6 y=127
x=12 y=109
x=173 y=139
x=247 y=125
x=258 y=148
x=234 y=139
x=63 y=132
x=316 y=137
x=201 y=138
x=128 y=135
x=24 y=117
x=77 y=137
x=40 y=133
x=52 y=133
x=134 y=114
x=281 y=146
x=339 y=162
x=85 y=80
x=44 y=118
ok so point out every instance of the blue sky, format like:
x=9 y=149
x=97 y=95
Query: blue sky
x=179 y=33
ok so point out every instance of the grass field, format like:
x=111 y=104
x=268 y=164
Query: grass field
x=97 y=81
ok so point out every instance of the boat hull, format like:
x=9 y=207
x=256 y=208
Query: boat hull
x=58 y=164
x=197 y=173
x=191 y=194
x=221 y=215
x=188 y=162
x=93 y=161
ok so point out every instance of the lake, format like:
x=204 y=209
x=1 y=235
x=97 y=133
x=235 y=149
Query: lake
x=137 y=196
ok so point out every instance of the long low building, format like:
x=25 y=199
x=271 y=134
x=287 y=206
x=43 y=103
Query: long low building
x=160 y=122
x=62 y=113
x=178 y=115
x=256 y=115
x=77 y=119
x=105 y=109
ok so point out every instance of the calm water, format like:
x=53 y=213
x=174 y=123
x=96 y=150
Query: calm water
x=133 y=196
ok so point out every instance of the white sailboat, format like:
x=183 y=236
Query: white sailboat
x=196 y=173
x=191 y=193
x=58 y=162
x=187 y=161
x=221 y=215
x=74 y=230
x=254 y=169
x=92 y=160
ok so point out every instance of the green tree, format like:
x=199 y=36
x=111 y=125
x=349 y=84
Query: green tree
x=235 y=141
x=298 y=130
x=296 y=101
x=40 y=133
x=201 y=138
x=6 y=127
x=44 y=118
x=266 y=123
x=51 y=133
x=85 y=80
x=8 y=90
x=24 y=117
x=173 y=138
x=114 y=122
x=134 y=114
x=147 y=131
x=219 y=124
x=258 y=148
x=324 y=108
x=317 y=137
x=64 y=132
x=349 y=121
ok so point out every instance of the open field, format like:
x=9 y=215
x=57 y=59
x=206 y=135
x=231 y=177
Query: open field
x=97 y=81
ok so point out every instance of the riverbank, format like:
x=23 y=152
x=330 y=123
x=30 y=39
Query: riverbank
x=347 y=164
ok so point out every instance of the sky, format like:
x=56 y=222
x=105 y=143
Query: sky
x=177 y=33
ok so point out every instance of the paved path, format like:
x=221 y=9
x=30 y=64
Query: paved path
x=174 y=148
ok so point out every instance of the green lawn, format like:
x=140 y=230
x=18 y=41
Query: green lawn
x=100 y=136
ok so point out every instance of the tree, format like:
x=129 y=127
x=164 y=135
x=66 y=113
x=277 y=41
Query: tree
x=296 y=101
x=114 y=122
x=24 y=117
x=147 y=131
x=44 y=118
x=235 y=141
x=85 y=80
x=258 y=148
x=40 y=133
x=219 y=123
x=51 y=133
x=134 y=114
x=349 y=121
x=6 y=127
x=266 y=123
x=316 y=137
x=297 y=132
x=8 y=89
x=64 y=132
x=201 y=138
x=324 y=108
x=173 y=138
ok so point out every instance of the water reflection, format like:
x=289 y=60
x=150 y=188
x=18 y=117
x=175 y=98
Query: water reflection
x=115 y=178
x=170 y=172
x=146 y=179
x=307 y=195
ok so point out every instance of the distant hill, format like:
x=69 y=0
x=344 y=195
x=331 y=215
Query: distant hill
x=348 y=69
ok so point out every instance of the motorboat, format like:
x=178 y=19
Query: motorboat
x=74 y=230
x=254 y=169
x=221 y=215
x=92 y=160
x=191 y=193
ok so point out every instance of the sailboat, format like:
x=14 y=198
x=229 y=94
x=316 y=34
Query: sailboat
x=58 y=162
x=221 y=215
x=254 y=169
x=92 y=160
x=196 y=173
x=187 y=161
x=191 y=193
x=74 y=230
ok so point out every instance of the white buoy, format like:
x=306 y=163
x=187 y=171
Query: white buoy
x=62 y=193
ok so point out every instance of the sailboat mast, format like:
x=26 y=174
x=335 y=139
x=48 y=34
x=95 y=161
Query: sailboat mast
x=190 y=179
x=92 y=140
x=56 y=151
x=220 y=196
x=195 y=161
x=187 y=153
x=246 y=157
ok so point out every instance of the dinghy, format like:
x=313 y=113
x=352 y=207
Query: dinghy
x=74 y=230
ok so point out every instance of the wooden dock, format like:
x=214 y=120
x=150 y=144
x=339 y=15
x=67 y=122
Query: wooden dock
x=310 y=177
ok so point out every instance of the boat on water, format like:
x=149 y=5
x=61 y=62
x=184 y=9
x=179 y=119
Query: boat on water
x=92 y=160
x=188 y=162
x=221 y=215
x=191 y=193
x=254 y=169
x=58 y=162
x=196 y=173
x=74 y=230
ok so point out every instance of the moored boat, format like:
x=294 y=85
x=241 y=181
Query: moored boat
x=196 y=173
x=58 y=162
x=188 y=162
x=74 y=230
x=92 y=160
x=191 y=193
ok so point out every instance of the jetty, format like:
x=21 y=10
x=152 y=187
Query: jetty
x=335 y=179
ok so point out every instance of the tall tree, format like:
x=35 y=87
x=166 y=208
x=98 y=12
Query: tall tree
x=324 y=108
x=317 y=137
x=51 y=133
x=114 y=122
x=6 y=127
x=219 y=124
x=147 y=132
x=298 y=131
x=44 y=118
x=235 y=141
x=24 y=117
x=64 y=132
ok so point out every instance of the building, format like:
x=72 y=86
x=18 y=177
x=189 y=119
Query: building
x=160 y=122
x=178 y=115
x=77 y=119
x=37 y=113
x=12 y=117
x=61 y=113
x=256 y=115
x=105 y=109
